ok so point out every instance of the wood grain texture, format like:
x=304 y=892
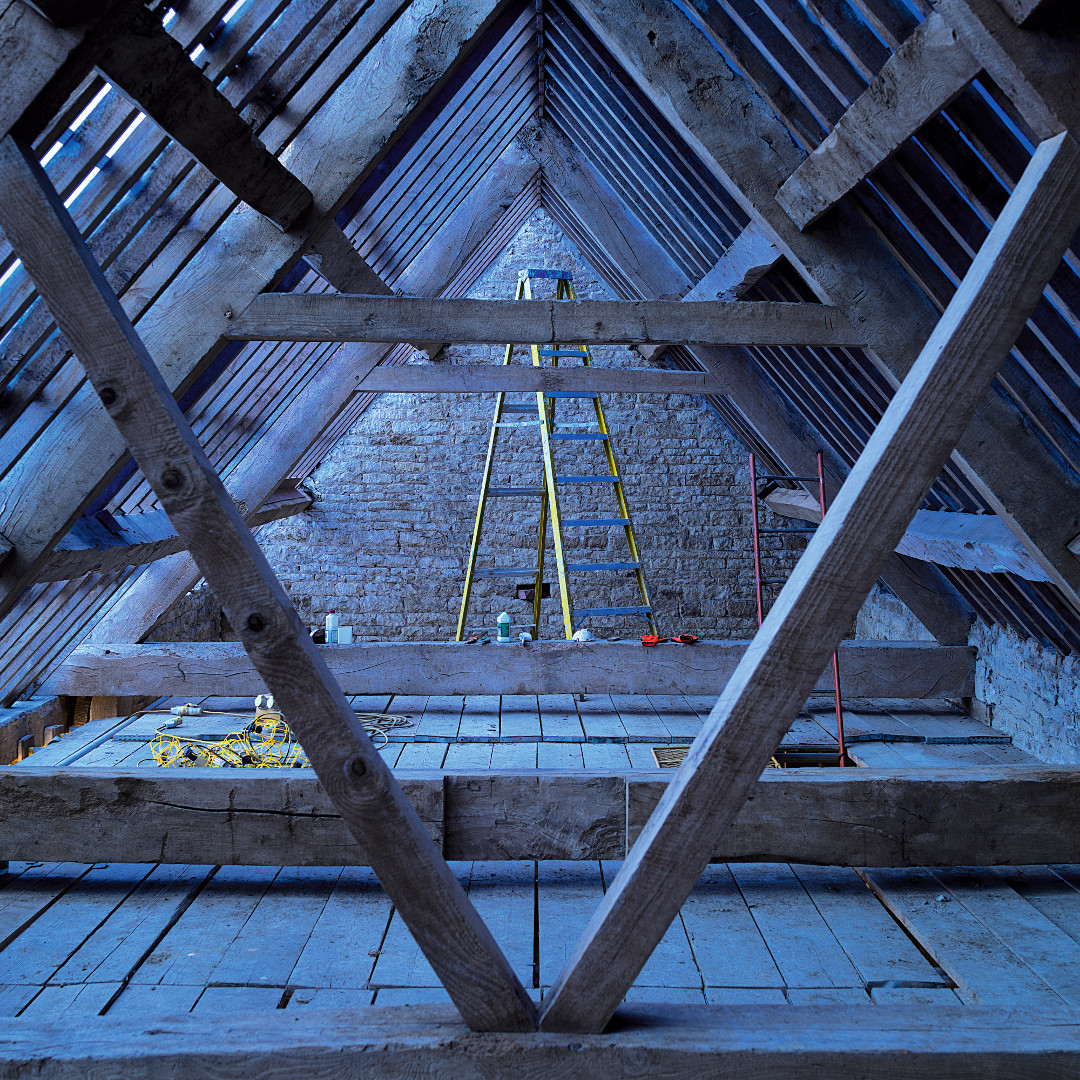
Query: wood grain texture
x=865 y=522
x=150 y=67
x=869 y=669
x=334 y=317
x=918 y=80
x=675 y=1042
x=751 y=255
x=129 y=384
x=910 y=816
x=980 y=542
x=488 y=378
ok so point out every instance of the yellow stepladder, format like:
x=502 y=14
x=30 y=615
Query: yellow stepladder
x=548 y=492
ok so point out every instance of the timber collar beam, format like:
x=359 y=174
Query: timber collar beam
x=328 y=317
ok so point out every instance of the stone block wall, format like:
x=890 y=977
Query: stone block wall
x=386 y=542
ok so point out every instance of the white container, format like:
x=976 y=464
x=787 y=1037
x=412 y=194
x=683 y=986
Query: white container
x=344 y=635
x=331 y=628
x=503 y=622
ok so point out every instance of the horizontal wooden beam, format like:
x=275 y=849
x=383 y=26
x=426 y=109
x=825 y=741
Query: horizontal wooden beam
x=885 y=669
x=970 y=541
x=686 y=1042
x=488 y=378
x=335 y=317
x=923 y=76
x=985 y=816
x=98 y=547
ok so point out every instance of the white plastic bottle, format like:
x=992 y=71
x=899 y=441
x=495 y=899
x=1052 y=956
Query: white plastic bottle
x=331 y=628
x=503 y=622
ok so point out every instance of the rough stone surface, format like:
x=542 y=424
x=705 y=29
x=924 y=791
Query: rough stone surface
x=884 y=617
x=386 y=542
x=195 y=616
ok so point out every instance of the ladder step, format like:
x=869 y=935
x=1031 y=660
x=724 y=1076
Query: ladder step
x=519 y=423
x=612 y=611
x=803 y=529
x=511 y=492
x=580 y=436
x=783 y=476
x=516 y=408
x=578 y=568
x=563 y=352
x=562 y=275
x=596 y=521
x=587 y=480
x=571 y=393
x=506 y=571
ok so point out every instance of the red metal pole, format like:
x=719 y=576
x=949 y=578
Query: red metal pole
x=835 y=656
x=757 y=542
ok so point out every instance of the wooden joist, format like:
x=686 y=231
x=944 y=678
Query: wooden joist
x=429 y=897
x=970 y=541
x=885 y=669
x=913 y=440
x=751 y=255
x=330 y=317
x=678 y=1042
x=520 y=377
x=928 y=71
x=104 y=543
x=984 y=816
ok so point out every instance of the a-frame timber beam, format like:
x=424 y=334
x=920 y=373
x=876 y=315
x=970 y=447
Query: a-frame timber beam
x=131 y=48
x=813 y=611
x=456 y=942
x=791 y=439
x=842 y=257
x=185 y=328
x=285 y=441
x=333 y=317
x=918 y=80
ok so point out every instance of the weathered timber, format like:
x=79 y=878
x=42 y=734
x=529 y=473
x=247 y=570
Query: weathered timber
x=488 y=378
x=676 y=1042
x=135 y=539
x=971 y=541
x=916 y=434
x=869 y=669
x=330 y=317
x=152 y=68
x=328 y=392
x=928 y=71
x=752 y=254
x=428 y=896
x=338 y=145
x=739 y=136
x=789 y=435
x=976 y=815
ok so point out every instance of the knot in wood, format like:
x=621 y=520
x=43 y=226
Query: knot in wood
x=256 y=623
x=107 y=395
x=355 y=767
x=172 y=479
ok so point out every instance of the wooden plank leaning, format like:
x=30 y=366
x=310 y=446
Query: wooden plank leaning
x=446 y=926
x=907 y=450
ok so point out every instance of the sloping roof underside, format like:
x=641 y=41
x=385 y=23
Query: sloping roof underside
x=146 y=209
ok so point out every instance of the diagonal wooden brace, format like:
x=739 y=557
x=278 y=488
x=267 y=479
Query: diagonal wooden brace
x=867 y=519
x=431 y=901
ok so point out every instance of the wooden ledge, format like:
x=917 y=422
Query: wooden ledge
x=687 y=1042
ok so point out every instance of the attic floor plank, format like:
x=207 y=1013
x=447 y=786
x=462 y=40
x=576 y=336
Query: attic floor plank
x=568 y=892
x=330 y=998
x=75 y=1000
x=222 y=1000
x=519 y=718
x=138 y=1000
x=559 y=720
x=504 y=893
x=480 y=719
x=13 y=999
x=30 y=892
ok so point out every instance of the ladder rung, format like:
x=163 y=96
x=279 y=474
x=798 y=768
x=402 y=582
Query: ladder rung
x=506 y=571
x=518 y=423
x=583 y=567
x=518 y=408
x=571 y=393
x=774 y=581
x=564 y=275
x=802 y=529
x=563 y=352
x=777 y=476
x=587 y=480
x=596 y=521
x=612 y=611
x=510 y=492
x=580 y=436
